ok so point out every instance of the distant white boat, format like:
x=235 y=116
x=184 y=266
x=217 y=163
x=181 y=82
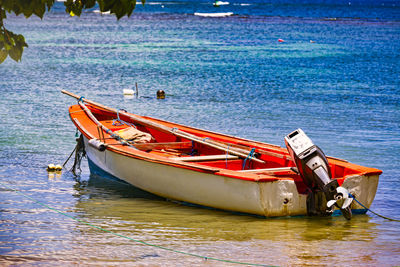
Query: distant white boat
x=103 y=13
x=220 y=3
x=221 y=14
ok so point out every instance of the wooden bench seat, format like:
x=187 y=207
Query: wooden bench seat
x=269 y=169
x=159 y=146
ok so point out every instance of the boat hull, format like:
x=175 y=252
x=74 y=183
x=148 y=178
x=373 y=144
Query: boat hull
x=265 y=198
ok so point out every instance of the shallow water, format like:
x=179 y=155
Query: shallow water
x=225 y=74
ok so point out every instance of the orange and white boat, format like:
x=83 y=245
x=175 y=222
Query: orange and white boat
x=220 y=171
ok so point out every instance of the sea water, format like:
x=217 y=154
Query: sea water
x=336 y=76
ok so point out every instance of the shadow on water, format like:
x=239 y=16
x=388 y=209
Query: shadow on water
x=99 y=186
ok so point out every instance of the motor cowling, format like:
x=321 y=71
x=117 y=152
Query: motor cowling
x=313 y=167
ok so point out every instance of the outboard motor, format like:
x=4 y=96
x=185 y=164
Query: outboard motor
x=313 y=167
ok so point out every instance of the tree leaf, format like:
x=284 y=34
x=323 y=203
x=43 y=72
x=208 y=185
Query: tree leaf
x=20 y=40
x=7 y=5
x=3 y=55
x=89 y=3
x=106 y=5
x=131 y=7
x=7 y=46
x=123 y=7
x=16 y=53
x=49 y=3
x=39 y=8
x=2 y=15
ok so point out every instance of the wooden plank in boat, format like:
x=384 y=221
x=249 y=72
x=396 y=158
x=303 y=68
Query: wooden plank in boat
x=206 y=158
x=170 y=145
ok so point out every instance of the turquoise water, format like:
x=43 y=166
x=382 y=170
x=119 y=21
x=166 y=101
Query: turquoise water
x=227 y=74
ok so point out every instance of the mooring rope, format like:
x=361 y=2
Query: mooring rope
x=80 y=153
x=249 y=157
x=118 y=121
x=384 y=217
x=70 y=155
x=127 y=237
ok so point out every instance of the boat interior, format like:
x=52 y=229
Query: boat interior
x=255 y=158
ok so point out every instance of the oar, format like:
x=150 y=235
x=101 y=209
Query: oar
x=215 y=144
x=185 y=164
x=228 y=146
x=167 y=129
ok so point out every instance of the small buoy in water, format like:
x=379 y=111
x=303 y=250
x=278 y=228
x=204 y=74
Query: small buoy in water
x=128 y=92
x=281 y=40
x=160 y=94
x=51 y=167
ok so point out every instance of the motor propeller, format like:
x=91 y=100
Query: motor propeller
x=314 y=169
x=342 y=201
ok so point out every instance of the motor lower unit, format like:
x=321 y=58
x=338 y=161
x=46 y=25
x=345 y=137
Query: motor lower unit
x=313 y=167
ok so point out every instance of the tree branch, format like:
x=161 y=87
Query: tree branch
x=12 y=44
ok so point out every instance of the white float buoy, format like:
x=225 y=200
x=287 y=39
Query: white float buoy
x=128 y=92
x=51 y=167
